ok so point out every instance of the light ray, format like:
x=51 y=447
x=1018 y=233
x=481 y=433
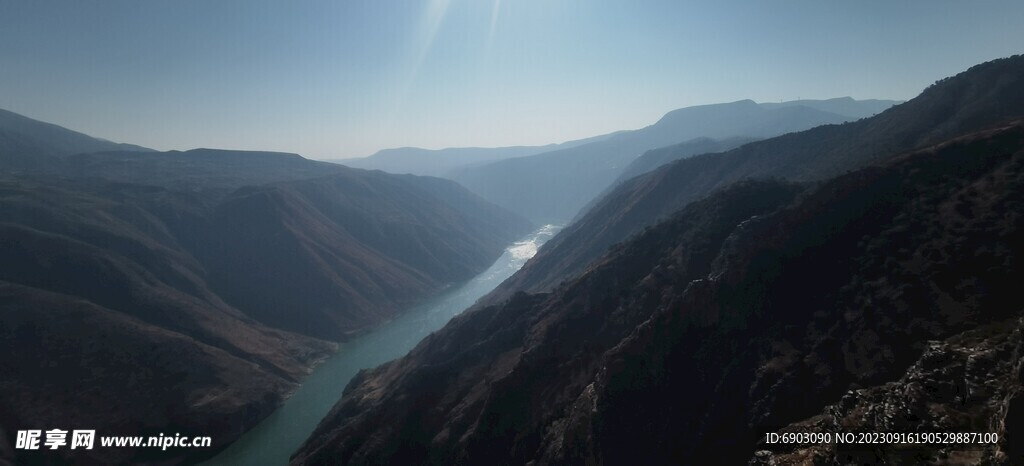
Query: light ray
x=494 y=26
x=428 y=27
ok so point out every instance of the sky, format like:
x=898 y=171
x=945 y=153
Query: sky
x=345 y=78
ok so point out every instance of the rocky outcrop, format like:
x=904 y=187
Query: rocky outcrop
x=971 y=383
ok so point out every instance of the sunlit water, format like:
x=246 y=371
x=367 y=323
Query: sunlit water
x=277 y=437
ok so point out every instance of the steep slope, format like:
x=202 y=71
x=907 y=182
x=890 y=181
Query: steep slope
x=972 y=376
x=553 y=186
x=107 y=322
x=28 y=144
x=124 y=377
x=333 y=255
x=733 y=318
x=655 y=158
x=983 y=96
x=191 y=291
x=322 y=255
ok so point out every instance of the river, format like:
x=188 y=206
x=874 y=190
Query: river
x=273 y=441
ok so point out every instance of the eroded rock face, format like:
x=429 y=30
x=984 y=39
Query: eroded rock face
x=689 y=342
x=968 y=383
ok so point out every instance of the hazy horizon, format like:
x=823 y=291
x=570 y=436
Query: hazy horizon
x=332 y=80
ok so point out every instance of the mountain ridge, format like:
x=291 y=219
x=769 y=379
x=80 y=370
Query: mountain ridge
x=192 y=291
x=441 y=162
x=692 y=339
x=527 y=185
x=982 y=96
x=26 y=143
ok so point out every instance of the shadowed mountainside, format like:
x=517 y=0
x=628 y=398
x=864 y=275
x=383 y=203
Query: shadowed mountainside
x=655 y=158
x=981 y=97
x=754 y=308
x=107 y=322
x=346 y=252
x=148 y=292
x=29 y=144
x=553 y=186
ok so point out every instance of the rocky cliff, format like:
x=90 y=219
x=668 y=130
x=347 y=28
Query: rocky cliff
x=754 y=310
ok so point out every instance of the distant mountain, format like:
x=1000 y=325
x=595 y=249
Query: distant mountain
x=28 y=143
x=553 y=186
x=213 y=172
x=441 y=162
x=983 y=96
x=417 y=161
x=34 y=148
x=191 y=291
x=764 y=307
x=845 y=106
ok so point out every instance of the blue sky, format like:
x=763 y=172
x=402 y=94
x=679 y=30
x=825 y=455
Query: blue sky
x=345 y=78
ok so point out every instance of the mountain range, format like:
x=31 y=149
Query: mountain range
x=441 y=162
x=27 y=143
x=732 y=270
x=190 y=292
x=553 y=186
x=850 y=278
x=986 y=95
x=532 y=180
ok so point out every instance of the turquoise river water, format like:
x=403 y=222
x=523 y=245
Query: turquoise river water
x=272 y=441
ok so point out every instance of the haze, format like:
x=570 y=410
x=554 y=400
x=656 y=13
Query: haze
x=334 y=79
